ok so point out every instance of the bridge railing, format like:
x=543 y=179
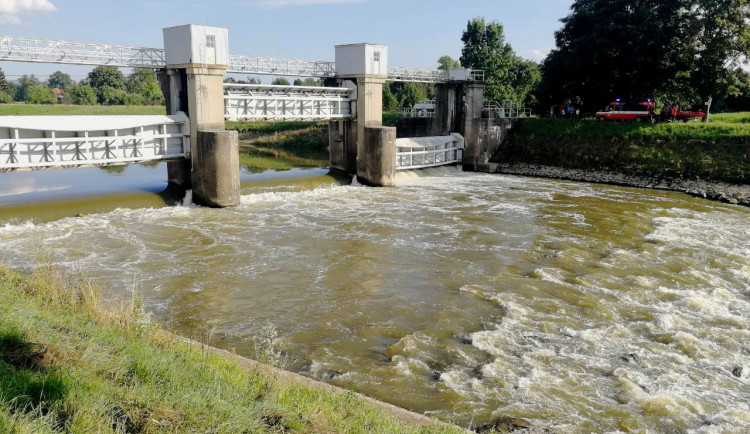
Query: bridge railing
x=290 y=103
x=280 y=66
x=424 y=152
x=35 y=142
x=79 y=53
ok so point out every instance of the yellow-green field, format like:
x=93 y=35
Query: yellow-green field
x=18 y=109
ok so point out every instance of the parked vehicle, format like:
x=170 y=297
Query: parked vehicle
x=622 y=111
x=643 y=111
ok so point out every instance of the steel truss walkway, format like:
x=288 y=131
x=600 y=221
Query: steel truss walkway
x=82 y=53
x=286 y=103
x=37 y=142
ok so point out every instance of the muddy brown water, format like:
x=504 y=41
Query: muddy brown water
x=580 y=307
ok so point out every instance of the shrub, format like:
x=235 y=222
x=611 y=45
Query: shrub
x=81 y=95
x=40 y=95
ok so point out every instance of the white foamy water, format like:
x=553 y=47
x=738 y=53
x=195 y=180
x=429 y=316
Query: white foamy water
x=580 y=307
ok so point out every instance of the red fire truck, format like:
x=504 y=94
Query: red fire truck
x=642 y=112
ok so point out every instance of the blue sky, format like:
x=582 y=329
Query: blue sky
x=418 y=31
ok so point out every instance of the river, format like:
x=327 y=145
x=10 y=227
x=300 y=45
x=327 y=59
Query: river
x=579 y=307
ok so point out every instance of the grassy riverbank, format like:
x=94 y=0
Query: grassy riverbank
x=717 y=151
x=80 y=110
x=71 y=363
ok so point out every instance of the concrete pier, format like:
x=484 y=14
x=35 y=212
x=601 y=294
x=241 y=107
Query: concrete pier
x=216 y=169
x=376 y=161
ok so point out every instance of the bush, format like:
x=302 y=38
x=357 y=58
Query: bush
x=81 y=95
x=110 y=96
x=5 y=98
x=40 y=95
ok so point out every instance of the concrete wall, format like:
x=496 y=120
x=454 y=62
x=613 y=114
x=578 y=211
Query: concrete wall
x=414 y=127
x=490 y=134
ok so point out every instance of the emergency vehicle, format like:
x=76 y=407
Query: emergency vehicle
x=621 y=111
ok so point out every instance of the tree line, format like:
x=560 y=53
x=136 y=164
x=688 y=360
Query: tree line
x=688 y=53
x=105 y=85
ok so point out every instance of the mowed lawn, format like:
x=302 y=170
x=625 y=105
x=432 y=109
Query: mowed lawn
x=21 y=109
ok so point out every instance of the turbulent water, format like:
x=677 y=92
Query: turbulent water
x=579 y=307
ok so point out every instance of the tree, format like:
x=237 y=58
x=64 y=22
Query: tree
x=280 y=81
x=722 y=43
x=679 y=51
x=309 y=82
x=7 y=89
x=485 y=49
x=410 y=94
x=447 y=63
x=60 y=80
x=525 y=77
x=142 y=82
x=25 y=83
x=390 y=102
x=105 y=77
x=109 y=95
x=40 y=95
x=81 y=95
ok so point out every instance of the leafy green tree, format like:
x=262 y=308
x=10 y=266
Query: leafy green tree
x=81 y=95
x=24 y=84
x=40 y=95
x=485 y=48
x=525 y=77
x=447 y=63
x=105 y=79
x=390 y=102
x=7 y=89
x=142 y=82
x=109 y=95
x=410 y=94
x=278 y=81
x=60 y=80
x=722 y=28
x=309 y=82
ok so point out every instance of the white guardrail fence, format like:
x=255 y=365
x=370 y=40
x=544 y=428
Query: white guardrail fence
x=423 y=152
x=35 y=142
x=286 y=103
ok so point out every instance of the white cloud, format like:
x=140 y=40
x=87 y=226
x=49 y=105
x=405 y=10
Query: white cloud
x=11 y=11
x=536 y=55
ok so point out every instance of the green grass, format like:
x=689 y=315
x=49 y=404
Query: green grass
x=718 y=151
x=83 y=110
x=740 y=118
x=72 y=363
x=389 y=119
x=255 y=129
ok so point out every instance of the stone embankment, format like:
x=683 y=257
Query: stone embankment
x=720 y=191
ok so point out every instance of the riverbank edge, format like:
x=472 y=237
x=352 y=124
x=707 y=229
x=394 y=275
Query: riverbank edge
x=736 y=194
x=94 y=314
x=400 y=413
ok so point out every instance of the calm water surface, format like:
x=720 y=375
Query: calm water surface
x=580 y=307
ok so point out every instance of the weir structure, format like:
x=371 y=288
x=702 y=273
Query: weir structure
x=201 y=154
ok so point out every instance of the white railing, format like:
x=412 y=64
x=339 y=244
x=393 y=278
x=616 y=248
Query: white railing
x=79 y=53
x=36 y=142
x=282 y=67
x=288 y=103
x=84 y=53
x=424 y=152
x=508 y=109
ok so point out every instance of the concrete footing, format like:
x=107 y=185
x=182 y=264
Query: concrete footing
x=216 y=169
x=376 y=159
